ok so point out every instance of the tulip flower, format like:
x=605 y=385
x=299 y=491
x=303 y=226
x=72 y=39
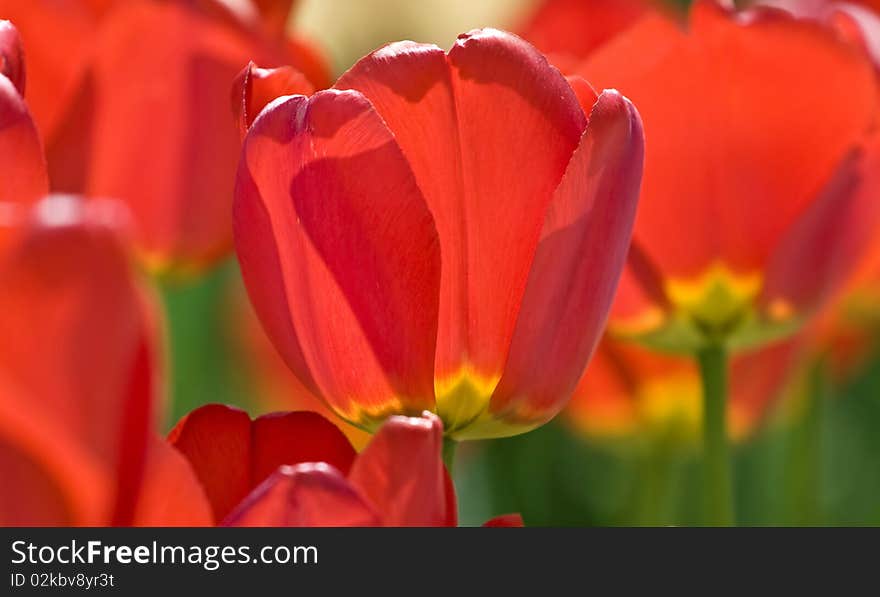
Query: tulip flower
x=628 y=390
x=757 y=199
x=131 y=101
x=298 y=469
x=744 y=186
x=77 y=378
x=401 y=259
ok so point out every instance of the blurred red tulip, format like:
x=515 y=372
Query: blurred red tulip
x=749 y=208
x=77 y=372
x=567 y=31
x=131 y=99
x=346 y=203
x=629 y=390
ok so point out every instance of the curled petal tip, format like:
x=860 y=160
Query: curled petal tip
x=11 y=56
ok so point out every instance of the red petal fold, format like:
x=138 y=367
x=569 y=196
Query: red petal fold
x=339 y=252
x=577 y=265
x=255 y=87
x=401 y=472
x=216 y=441
x=295 y=437
x=11 y=56
x=22 y=163
x=306 y=495
x=231 y=455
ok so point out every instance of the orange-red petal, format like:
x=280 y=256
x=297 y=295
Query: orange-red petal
x=255 y=87
x=339 y=253
x=305 y=495
x=760 y=136
x=231 y=454
x=11 y=56
x=574 y=274
x=401 y=472
x=22 y=164
x=171 y=495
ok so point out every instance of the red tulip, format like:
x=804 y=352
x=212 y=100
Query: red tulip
x=750 y=198
x=629 y=390
x=77 y=387
x=439 y=232
x=131 y=99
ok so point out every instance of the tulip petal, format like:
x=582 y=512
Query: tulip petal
x=505 y=520
x=295 y=437
x=766 y=136
x=402 y=474
x=49 y=478
x=22 y=165
x=232 y=455
x=306 y=495
x=339 y=253
x=172 y=495
x=576 y=268
x=255 y=87
x=161 y=139
x=451 y=114
x=216 y=441
x=80 y=335
x=11 y=56
x=828 y=239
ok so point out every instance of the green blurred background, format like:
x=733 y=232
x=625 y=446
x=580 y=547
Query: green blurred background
x=819 y=469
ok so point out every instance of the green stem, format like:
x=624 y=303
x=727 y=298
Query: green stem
x=806 y=451
x=449 y=446
x=717 y=483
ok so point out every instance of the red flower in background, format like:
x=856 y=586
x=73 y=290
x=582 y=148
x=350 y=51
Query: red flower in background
x=131 y=101
x=751 y=173
x=440 y=232
x=78 y=391
x=627 y=390
x=77 y=388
